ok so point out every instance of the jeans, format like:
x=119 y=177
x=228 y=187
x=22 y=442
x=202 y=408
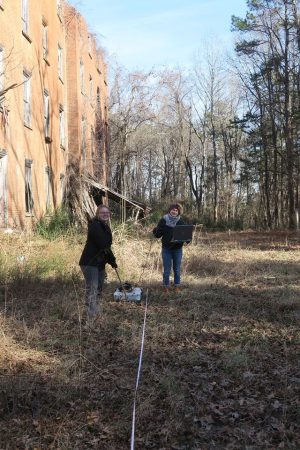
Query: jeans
x=94 y=279
x=169 y=256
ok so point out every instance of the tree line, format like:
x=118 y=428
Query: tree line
x=222 y=137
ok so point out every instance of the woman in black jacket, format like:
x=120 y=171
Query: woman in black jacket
x=96 y=253
x=171 y=251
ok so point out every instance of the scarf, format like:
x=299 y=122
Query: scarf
x=171 y=221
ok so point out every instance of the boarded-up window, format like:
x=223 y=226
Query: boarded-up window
x=45 y=39
x=1 y=68
x=61 y=126
x=49 y=193
x=59 y=8
x=90 y=45
x=92 y=142
x=25 y=22
x=46 y=114
x=27 y=98
x=62 y=187
x=91 y=89
x=98 y=101
x=82 y=77
x=83 y=138
x=3 y=188
x=60 y=62
x=28 y=187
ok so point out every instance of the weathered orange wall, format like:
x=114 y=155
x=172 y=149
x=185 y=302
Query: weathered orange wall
x=20 y=142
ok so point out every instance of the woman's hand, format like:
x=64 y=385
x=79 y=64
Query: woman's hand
x=113 y=264
x=110 y=258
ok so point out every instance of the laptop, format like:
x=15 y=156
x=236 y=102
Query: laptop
x=182 y=233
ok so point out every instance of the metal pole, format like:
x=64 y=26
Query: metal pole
x=122 y=285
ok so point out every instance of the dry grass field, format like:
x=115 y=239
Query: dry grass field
x=221 y=358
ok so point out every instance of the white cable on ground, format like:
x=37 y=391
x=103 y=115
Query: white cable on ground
x=138 y=374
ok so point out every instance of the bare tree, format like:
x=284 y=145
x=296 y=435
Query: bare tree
x=129 y=108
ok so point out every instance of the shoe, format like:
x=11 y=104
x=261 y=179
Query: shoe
x=89 y=324
x=166 y=291
x=178 y=288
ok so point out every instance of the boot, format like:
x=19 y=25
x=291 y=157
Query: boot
x=166 y=290
x=178 y=288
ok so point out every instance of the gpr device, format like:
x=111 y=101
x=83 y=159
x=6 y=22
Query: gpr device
x=128 y=293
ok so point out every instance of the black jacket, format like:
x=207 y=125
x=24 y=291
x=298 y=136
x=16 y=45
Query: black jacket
x=97 y=251
x=166 y=233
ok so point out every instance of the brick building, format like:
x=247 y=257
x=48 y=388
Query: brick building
x=56 y=115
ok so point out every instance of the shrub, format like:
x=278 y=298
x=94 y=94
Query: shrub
x=58 y=224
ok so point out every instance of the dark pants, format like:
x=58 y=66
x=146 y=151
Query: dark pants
x=94 y=279
x=170 y=256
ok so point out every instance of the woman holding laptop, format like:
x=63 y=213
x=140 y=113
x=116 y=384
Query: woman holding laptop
x=171 y=248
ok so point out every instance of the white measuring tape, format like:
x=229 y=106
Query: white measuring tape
x=138 y=374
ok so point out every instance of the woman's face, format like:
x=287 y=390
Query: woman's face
x=103 y=214
x=174 y=212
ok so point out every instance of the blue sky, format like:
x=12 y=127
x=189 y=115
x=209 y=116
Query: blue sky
x=141 y=34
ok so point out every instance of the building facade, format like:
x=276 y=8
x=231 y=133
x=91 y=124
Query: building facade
x=55 y=116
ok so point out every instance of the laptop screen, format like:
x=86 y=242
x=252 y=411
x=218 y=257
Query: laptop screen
x=183 y=233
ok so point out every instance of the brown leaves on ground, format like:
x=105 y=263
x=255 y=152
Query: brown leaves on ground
x=221 y=358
